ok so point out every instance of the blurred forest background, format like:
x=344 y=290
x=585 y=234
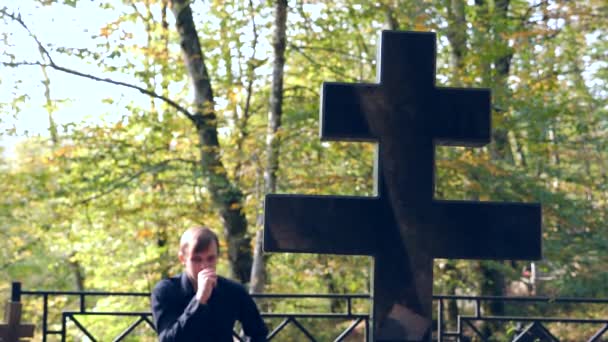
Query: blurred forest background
x=131 y=152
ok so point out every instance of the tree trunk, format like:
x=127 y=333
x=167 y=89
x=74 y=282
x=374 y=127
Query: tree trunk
x=224 y=195
x=502 y=68
x=78 y=273
x=457 y=36
x=390 y=21
x=49 y=105
x=73 y=264
x=273 y=138
x=492 y=284
x=162 y=235
x=492 y=279
x=276 y=98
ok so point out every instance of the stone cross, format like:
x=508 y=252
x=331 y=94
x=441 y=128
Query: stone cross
x=403 y=227
x=13 y=330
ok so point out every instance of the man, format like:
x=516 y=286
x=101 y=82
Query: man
x=199 y=305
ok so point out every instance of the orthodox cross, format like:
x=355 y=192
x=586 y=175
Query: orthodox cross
x=403 y=227
x=13 y=330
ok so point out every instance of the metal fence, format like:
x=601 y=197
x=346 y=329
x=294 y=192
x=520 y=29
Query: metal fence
x=75 y=317
x=525 y=325
x=520 y=324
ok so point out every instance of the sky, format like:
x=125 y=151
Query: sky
x=81 y=99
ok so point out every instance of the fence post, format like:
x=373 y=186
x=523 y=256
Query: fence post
x=440 y=320
x=16 y=291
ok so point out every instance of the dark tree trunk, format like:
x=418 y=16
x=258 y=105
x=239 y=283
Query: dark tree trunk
x=225 y=196
x=78 y=274
x=390 y=21
x=492 y=284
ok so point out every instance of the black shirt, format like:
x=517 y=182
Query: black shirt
x=178 y=316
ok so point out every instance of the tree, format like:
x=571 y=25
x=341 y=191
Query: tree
x=132 y=183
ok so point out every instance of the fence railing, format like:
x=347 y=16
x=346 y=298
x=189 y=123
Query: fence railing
x=468 y=325
x=83 y=298
x=525 y=326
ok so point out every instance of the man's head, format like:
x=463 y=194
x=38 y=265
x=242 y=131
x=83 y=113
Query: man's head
x=198 y=249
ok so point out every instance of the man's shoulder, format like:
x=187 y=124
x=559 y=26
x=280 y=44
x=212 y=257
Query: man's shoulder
x=232 y=285
x=167 y=284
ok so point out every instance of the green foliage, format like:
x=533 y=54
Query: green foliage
x=103 y=206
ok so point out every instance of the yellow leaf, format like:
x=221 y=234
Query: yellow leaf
x=144 y=234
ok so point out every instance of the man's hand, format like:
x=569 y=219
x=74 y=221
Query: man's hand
x=206 y=282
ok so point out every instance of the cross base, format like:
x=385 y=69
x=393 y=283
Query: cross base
x=12 y=330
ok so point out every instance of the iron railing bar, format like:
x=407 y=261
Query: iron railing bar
x=45 y=316
x=311 y=295
x=86 y=293
x=312 y=315
x=82 y=328
x=234 y=334
x=264 y=314
x=82 y=304
x=524 y=299
x=348 y=330
x=548 y=332
x=349 y=306
x=539 y=319
x=150 y=323
x=64 y=318
x=529 y=330
x=366 y=296
x=459 y=326
x=279 y=328
x=526 y=330
x=598 y=334
x=127 y=331
x=147 y=294
x=302 y=329
x=475 y=330
x=110 y=313
x=440 y=321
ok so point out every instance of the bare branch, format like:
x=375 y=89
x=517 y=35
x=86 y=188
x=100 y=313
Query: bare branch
x=127 y=179
x=53 y=65
x=139 y=14
x=18 y=19
x=316 y=64
x=244 y=132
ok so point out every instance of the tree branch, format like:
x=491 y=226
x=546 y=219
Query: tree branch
x=126 y=179
x=18 y=19
x=316 y=64
x=55 y=66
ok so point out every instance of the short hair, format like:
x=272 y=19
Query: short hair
x=200 y=237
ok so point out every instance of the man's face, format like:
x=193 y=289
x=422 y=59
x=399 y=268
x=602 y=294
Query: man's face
x=195 y=262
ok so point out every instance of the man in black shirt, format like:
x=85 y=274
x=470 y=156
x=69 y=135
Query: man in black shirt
x=199 y=305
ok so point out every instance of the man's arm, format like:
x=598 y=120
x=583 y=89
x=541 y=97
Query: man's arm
x=170 y=321
x=251 y=320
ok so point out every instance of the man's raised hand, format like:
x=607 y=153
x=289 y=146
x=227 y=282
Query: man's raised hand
x=206 y=282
